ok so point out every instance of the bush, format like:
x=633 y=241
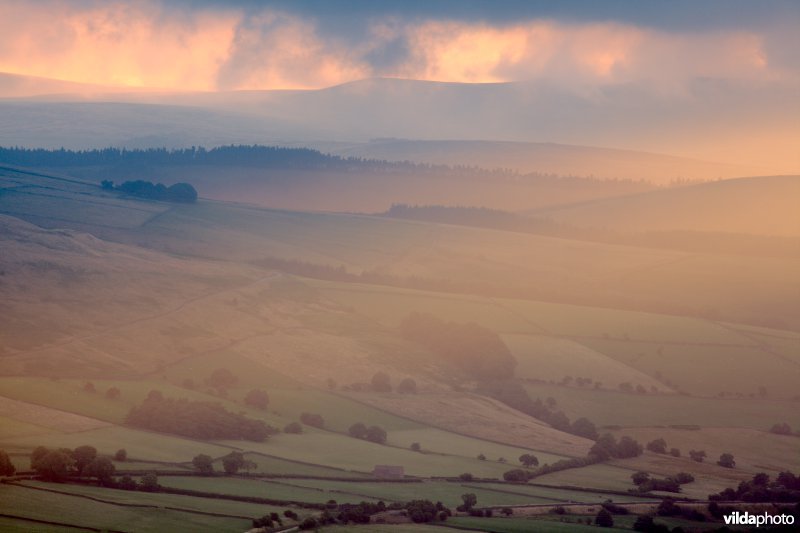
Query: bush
x=313 y=420
x=308 y=523
x=697 y=455
x=121 y=455
x=683 y=478
x=416 y=447
x=657 y=446
x=604 y=519
x=407 y=386
x=726 y=461
x=466 y=476
x=781 y=429
x=257 y=398
x=516 y=475
x=357 y=430
x=293 y=427
x=376 y=434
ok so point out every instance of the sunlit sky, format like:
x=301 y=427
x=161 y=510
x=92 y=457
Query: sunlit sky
x=305 y=45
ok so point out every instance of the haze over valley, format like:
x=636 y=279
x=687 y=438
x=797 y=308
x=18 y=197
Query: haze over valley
x=396 y=268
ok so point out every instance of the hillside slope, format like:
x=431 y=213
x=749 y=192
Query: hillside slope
x=758 y=205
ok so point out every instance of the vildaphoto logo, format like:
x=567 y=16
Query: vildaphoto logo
x=747 y=519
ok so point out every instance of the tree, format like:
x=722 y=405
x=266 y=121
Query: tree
x=470 y=500
x=407 y=386
x=604 y=519
x=89 y=387
x=675 y=452
x=37 y=454
x=516 y=475
x=257 y=398
x=293 y=427
x=657 y=446
x=381 y=382
x=101 y=468
x=121 y=455
x=726 y=460
x=55 y=465
x=682 y=478
x=697 y=455
x=7 y=468
x=83 y=455
x=113 y=393
x=204 y=464
x=481 y=457
x=149 y=483
x=416 y=447
x=644 y=523
x=466 y=476
x=639 y=478
x=628 y=447
x=583 y=427
x=376 y=434
x=528 y=460
x=126 y=482
x=313 y=420
x=107 y=185
x=358 y=430
x=232 y=462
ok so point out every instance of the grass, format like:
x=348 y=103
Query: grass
x=10 y=427
x=549 y=358
x=193 y=503
x=445 y=442
x=617 y=408
x=555 y=495
x=524 y=525
x=347 y=453
x=448 y=493
x=281 y=467
x=275 y=490
x=30 y=503
x=139 y=444
x=15 y=525
x=599 y=476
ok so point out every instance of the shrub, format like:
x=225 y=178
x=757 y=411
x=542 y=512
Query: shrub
x=293 y=427
x=604 y=519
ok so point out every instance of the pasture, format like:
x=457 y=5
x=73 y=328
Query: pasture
x=174 y=501
x=26 y=502
x=615 y=408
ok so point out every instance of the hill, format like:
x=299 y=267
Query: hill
x=758 y=205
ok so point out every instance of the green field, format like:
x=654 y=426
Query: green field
x=31 y=503
x=609 y=408
x=275 y=490
x=175 y=501
x=347 y=453
x=139 y=444
x=523 y=525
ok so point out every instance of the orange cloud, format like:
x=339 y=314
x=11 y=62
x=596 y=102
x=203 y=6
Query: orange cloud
x=154 y=44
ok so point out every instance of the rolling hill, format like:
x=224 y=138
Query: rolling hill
x=758 y=205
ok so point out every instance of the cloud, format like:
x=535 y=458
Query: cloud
x=211 y=46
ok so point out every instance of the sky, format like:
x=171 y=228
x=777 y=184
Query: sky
x=236 y=45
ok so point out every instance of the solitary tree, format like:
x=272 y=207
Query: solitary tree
x=640 y=478
x=528 y=460
x=697 y=455
x=726 y=460
x=112 y=393
x=204 y=464
x=470 y=500
x=416 y=447
x=233 y=462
